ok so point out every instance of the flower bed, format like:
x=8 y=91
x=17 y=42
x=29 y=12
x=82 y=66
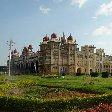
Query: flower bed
x=10 y=103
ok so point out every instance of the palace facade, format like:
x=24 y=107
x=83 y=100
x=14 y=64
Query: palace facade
x=60 y=55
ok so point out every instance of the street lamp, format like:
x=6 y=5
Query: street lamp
x=10 y=44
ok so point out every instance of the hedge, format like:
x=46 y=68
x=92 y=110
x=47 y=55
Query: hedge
x=19 y=84
x=105 y=74
x=80 y=74
x=22 y=104
x=94 y=74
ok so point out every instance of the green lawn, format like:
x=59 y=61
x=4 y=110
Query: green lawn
x=71 y=91
x=80 y=83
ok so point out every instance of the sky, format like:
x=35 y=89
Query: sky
x=28 y=21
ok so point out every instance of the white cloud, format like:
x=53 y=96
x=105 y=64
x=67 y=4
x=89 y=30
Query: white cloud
x=44 y=9
x=80 y=3
x=103 y=30
x=105 y=9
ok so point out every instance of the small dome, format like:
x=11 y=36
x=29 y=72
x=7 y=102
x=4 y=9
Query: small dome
x=46 y=38
x=70 y=37
x=53 y=35
x=15 y=51
x=30 y=46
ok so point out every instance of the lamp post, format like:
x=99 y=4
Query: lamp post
x=10 y=44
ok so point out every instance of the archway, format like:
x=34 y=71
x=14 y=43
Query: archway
x=91 y=70
x=32 y=68
x=26 y=68
x=37 y=67
x=79 y=70
x=26 y=65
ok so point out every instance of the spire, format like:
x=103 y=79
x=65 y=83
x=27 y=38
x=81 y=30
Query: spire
x=63 y=34
x=45 y=38
x=70 y=37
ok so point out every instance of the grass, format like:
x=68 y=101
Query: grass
x=81 y=83
x=84 y=83
x=30 y=86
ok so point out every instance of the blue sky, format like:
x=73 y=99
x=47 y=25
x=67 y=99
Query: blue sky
x=28 y=21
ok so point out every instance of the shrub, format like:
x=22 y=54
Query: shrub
x=19 y=84
x=22 y=104
x=80 y=74
x=94 y=74
x=105 y=74
x=63 y=74
x=51 y=76
x=3 y=79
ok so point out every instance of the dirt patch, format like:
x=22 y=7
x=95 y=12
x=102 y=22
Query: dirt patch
x=20 y=91
x=102 y=107
x=49 y=87
x=47 y=92
x=15 y=91
x=67 y=94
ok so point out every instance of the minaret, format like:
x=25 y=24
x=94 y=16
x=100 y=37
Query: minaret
x=63 y=35
x=63 y=40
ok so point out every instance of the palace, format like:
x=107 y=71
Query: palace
x=60 y=55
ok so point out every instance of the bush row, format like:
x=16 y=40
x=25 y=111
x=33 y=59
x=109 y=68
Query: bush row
x=105 y=74
x=19 y=84
x=80 y=74
x=20 y=104
x=96 y=74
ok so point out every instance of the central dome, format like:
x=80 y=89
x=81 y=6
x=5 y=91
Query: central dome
x=46 y=38
x=70 y=37
x=53 y=35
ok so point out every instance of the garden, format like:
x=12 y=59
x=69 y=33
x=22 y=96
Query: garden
x=31 y=93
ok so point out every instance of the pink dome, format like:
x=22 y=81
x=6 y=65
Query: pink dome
x=30 y=46
x=45 y=38
x=70 y=37
x=53 y=35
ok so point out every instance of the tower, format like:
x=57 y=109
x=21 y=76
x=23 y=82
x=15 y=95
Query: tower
x=88 y=58
x=69 y=55
x=100 y=60
x=55 y=53
x=43 y=54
